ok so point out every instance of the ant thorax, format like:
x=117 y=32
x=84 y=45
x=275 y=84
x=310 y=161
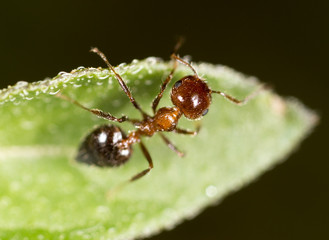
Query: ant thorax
x=164 y=120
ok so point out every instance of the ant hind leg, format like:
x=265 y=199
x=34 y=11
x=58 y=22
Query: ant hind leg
x=139 y=175
x=149 y=160
x=171 y=145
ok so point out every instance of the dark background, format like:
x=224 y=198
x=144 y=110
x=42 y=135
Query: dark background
x=284 y=43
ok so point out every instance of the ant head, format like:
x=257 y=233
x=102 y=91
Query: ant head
x=192 y=96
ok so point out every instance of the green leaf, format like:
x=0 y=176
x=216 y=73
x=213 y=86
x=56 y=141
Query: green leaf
x=45 y=194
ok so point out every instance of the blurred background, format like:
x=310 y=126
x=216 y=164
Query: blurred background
x=284 y=43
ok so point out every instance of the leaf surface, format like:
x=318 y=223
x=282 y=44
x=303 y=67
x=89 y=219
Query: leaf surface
x=45 y=194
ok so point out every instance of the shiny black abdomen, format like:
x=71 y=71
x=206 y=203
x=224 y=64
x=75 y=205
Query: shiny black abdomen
x=101 y=147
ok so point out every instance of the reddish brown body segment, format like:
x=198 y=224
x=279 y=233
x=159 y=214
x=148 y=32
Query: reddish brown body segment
x=192 y=95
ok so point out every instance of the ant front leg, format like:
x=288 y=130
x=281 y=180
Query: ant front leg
x=171 y=145
x=163 y=88
x=148 y=158
x=187 y=132
x=170 y=76
x=97 y=112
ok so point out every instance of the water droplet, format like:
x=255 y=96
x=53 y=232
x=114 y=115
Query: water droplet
x=5 y=201
x=28 y=98
x=41 y=237
x=90 y=76
x=116 y=103
x=62 y=73
x=16 y=103
x=211 y=191
x=103 y=76
x=137 y=70
x=15 y=186
x=148 y=82
x=102 y=209
x=80 y=68
x=21 y=84
x=44 y=89
x=151 y=60
x=53 y=91
x=61 y=236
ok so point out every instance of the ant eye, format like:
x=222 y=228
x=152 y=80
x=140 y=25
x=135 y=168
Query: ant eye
x=205 y=112
x=178 y=83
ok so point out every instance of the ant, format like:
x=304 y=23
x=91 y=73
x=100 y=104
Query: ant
x=109 y=146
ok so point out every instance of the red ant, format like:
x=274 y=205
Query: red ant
x=109 y=146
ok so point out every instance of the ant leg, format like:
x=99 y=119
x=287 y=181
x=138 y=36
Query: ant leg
x=147 y=155
x=163 y=88
x=97 y=112
x=237 y=101
x=168 y=79
x=120 y=80
x=171 y=145
x=148 y=158
x=184 y=131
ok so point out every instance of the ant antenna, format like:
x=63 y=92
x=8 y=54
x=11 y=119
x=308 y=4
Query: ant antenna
x=185 y=63
x=178 y=45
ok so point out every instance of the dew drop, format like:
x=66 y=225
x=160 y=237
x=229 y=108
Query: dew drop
x=90 y=76
x=41 y=237
x=211 y=191
x=16 y=103
x=5 y=201
x=80 y=68
x=61 y=236
x=62 y=73
x=44 y=89
x=152 y=60
x=102 y=209
x=103 y=76
x=53 y=91
x=148 y=82
x=11 y=98
x=137 y=70
x=15 y=186
x=21 y=84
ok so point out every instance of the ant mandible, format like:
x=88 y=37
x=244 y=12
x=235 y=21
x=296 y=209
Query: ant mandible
x=109 y=146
